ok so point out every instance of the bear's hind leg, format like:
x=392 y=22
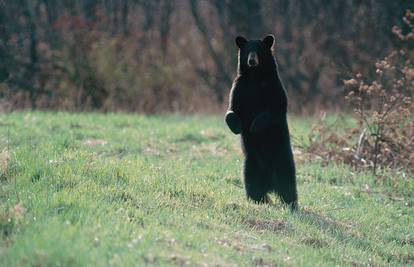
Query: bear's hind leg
x=288 y=195
x=286 y=189
x=256 y=195
x=285 y=183
x=256 y=188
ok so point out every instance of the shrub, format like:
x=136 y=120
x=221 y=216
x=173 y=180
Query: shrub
x=384 y=111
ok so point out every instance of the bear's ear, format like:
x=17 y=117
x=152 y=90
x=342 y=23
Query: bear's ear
x=240 y=41
x=268 y=41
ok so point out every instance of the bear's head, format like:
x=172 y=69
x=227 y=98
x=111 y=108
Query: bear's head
x=256 y=55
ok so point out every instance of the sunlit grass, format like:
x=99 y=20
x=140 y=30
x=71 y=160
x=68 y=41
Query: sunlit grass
x=130 y=190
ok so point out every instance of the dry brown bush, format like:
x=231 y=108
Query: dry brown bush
x=384 y=111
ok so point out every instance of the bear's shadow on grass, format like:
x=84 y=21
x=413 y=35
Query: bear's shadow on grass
x=339 y=231
x=345 y=234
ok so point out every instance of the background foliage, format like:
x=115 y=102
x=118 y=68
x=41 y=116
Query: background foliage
x=179 y=55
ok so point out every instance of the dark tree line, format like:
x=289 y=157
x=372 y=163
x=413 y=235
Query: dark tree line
x=167 y=55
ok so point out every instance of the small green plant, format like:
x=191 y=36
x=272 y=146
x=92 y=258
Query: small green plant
x=4 y=164
x=10 y=218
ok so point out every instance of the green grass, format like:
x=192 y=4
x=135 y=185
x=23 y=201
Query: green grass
x=166 y=190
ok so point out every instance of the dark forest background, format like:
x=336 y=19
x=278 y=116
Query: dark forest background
x=179 y=55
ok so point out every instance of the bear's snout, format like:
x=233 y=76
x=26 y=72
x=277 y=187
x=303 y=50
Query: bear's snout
x=252 y=59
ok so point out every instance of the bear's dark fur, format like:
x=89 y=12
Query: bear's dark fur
x=257 y=110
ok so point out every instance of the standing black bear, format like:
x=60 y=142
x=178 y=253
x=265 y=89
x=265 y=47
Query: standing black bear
x=257 y=110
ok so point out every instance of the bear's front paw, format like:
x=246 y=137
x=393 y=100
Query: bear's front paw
x=261 y=122
x=233 y=121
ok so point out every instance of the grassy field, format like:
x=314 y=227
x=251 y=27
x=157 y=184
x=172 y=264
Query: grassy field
x=130 y=190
